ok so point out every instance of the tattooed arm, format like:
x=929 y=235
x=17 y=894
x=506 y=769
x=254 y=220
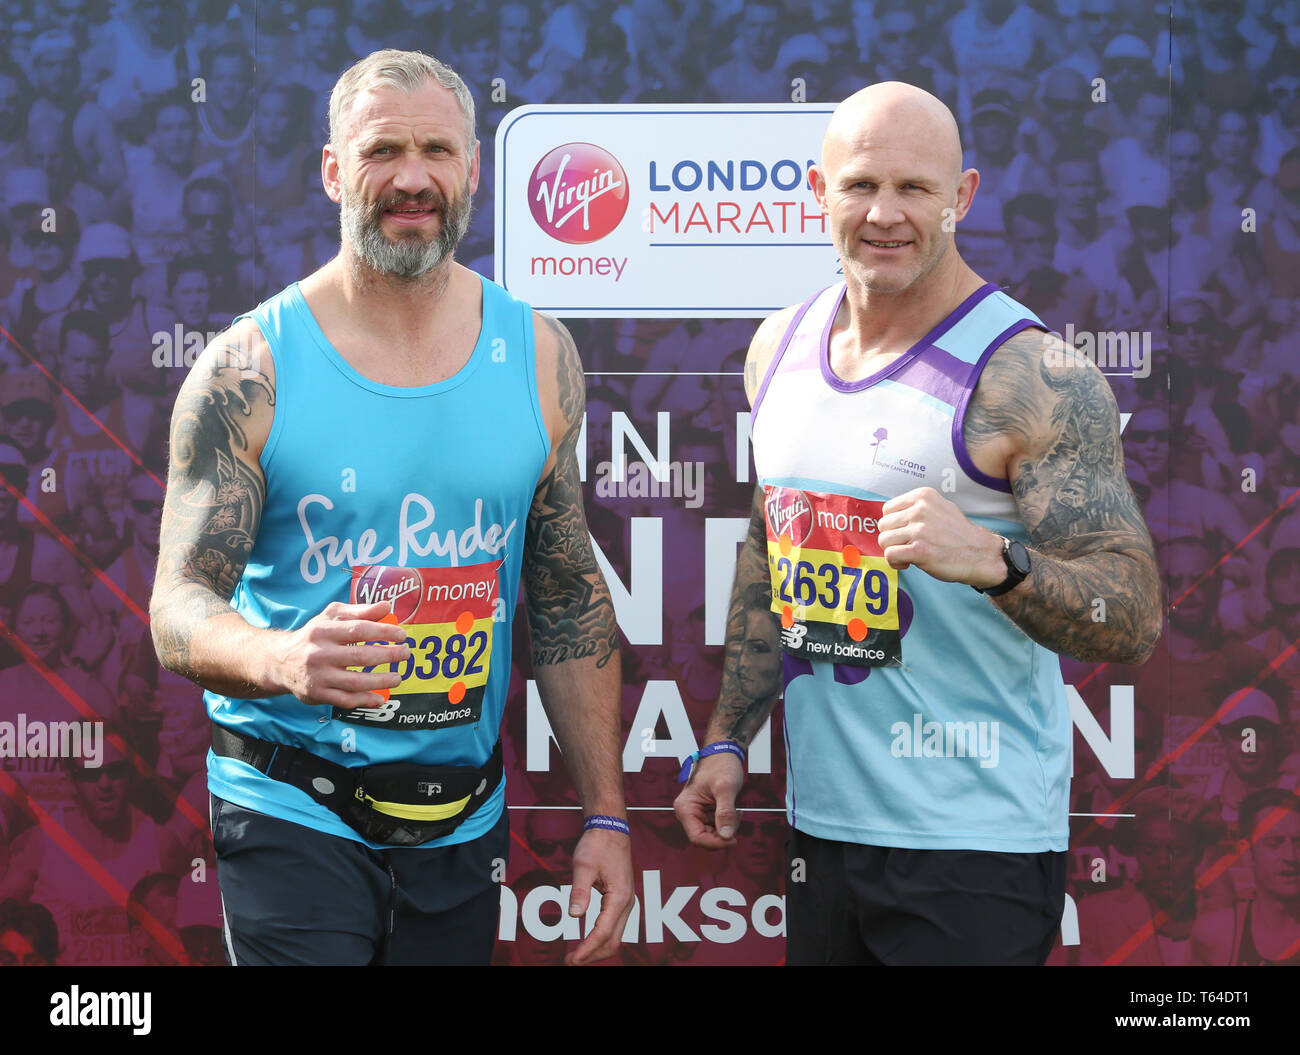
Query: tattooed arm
x=1066 y=467
x=1044 y=418
x=751 y=668
x=575 y=643
x=751 y=672
x=211 y=515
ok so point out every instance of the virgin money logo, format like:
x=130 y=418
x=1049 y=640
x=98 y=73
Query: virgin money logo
x=790 y=513
x=400 y=587
x=578 y=193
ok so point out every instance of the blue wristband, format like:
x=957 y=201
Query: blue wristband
x=612 y=824
x=719 y=747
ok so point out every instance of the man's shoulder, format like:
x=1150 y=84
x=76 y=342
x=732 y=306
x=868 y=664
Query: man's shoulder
x=1033 y=388
x=561 y=382
x=1038 y=354
x=242 y=342
x=763 y=346
x=235 y=359
x=772 y=329
x=766 y=342
x=496 y=295
x=501 y=305
x=1028 y=344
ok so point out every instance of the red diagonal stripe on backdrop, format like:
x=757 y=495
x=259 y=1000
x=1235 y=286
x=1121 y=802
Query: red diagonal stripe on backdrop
x=1159 y=765
x=529 y=851
x=1214 y=568
x=93 y=868
x=79 y=405
x=86 y=711
x=1288 y=952
x=1225 y=862
x=72 y=548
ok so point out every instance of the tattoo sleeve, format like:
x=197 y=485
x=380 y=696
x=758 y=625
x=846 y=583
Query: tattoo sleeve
x=1094 y=591
x=751 y=673
x=215 y=495
x=570 y=614
x=751 y=665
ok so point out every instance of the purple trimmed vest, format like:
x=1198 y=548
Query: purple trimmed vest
x=967 y=744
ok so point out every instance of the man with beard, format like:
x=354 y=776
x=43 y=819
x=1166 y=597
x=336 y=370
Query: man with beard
x=346 y=600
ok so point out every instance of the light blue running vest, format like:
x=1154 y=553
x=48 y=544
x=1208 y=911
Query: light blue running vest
x=362 y=473
x=967 y=744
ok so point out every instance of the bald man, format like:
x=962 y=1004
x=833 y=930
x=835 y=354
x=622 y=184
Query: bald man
x=941 y=507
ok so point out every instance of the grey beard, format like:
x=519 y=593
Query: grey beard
x=409 y=257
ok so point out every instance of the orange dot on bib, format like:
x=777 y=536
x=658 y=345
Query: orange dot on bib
x=786 y=544
x=857 y=629
x=457 y=691
x=852 y=558
x=464 y=622
x=383 y=694
x=787 y=617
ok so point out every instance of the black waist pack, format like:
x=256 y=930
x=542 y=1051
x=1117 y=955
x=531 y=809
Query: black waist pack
x=398 y=803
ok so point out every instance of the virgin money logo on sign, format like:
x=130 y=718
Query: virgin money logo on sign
x=683 y=210
x=578 y=193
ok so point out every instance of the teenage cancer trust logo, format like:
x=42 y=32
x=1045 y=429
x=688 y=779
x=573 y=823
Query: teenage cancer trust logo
x=578 y=193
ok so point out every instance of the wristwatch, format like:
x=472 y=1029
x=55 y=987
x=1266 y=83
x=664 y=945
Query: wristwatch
x=1017 y=560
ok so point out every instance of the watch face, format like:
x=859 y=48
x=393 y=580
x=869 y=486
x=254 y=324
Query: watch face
x=1018 y=557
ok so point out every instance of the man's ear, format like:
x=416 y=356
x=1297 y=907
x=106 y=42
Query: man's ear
x=966 y=187
x=817 y=181
x=474 y=169
x=331 y=174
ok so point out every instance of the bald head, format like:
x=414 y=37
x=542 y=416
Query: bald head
x=891 y=185
x=892 y=115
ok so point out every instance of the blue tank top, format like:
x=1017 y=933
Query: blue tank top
x=966 y=745
x=435 y=516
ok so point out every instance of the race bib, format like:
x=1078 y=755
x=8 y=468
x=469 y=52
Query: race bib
x=832 y=587
x=447 y=614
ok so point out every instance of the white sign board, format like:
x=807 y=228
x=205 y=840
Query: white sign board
x=674 y=211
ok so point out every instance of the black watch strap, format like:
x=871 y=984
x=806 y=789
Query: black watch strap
x=1016 y=557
